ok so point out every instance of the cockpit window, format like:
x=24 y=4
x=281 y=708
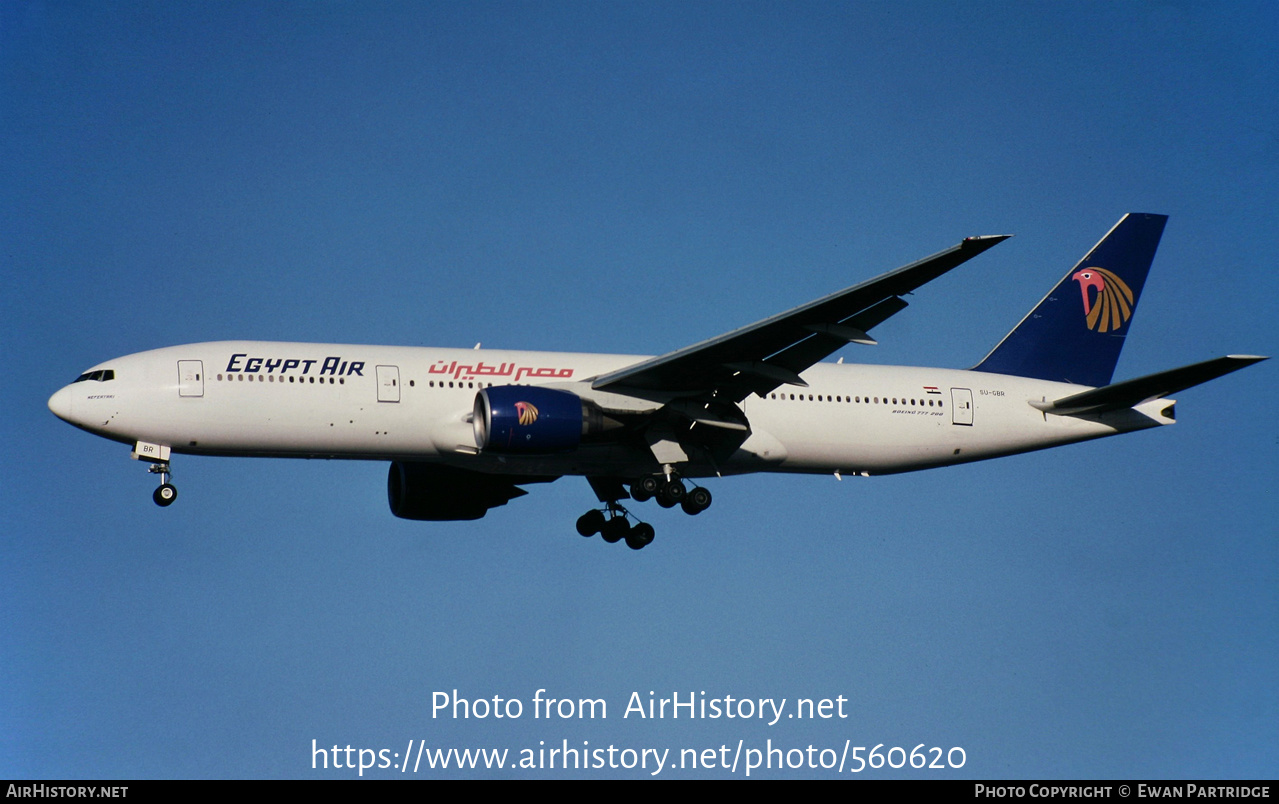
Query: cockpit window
x=101 y=375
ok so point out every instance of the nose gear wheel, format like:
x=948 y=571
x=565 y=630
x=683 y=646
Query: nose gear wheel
x=167 y=492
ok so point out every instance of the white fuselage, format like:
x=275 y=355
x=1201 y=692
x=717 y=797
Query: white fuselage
x=255 y=398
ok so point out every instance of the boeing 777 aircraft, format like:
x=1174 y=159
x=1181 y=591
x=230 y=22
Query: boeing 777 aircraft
x=464 y=429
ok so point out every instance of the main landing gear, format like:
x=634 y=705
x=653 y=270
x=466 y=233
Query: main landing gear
x=612 y=526
x=167 y=493
x=612 y=521
x=670 y=493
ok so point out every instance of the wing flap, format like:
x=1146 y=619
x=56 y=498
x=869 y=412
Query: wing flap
x=830 y=338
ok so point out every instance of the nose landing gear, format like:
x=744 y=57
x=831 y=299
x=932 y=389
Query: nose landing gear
x=167 y=493
x=158 y=455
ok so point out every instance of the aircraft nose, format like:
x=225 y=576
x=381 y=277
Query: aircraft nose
x=60 y=403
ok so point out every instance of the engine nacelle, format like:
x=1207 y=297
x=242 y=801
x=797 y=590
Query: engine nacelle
x=432 y=492
x=527 y=419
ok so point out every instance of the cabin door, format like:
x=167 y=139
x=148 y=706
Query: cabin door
x=388 y=383
x=190 y=378
x=961 y=406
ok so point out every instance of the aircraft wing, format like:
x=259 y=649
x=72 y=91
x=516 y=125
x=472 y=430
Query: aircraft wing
x=760 y=357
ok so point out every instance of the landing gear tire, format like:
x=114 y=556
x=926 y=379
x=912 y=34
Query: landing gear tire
x=671 y=494
x=614 y=530
x=697 y=501
x=640 y=536
x=644 y=488
x=165 y=495
x=591 y=523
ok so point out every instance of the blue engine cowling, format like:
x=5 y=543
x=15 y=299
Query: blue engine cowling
x=526 y=419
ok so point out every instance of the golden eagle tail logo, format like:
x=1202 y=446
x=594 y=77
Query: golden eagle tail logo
x=528 y=413
x=1111 y=307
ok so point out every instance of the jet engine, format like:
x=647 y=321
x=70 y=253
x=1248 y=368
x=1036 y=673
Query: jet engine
x=527 y=419
x=427 y=491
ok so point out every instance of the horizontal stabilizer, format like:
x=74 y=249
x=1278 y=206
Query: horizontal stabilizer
x=1129 y=393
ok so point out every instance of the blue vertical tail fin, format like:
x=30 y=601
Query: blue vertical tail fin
x=1076 y=332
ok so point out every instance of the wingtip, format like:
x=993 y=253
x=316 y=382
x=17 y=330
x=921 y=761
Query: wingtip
x=1249 y=358
x=983 y=242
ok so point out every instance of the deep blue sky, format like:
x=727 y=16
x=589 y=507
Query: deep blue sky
x=633 y=178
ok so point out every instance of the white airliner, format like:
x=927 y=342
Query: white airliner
x=465 y=428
